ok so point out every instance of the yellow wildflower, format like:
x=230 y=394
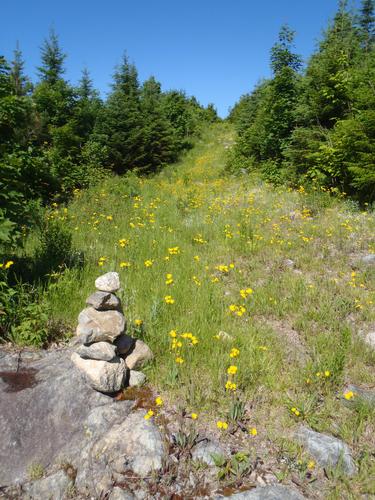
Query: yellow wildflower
x=253 y=431
x=232 y=370
x=169 y=299
x=159 y=401
x=221 y=425
x=349 y=395
x=179 y=360
x=8 y=264
x=138 y=322
x=148 y=263
x=234 y=352
x=149 y=414
x=194 y=416
x=124 y=264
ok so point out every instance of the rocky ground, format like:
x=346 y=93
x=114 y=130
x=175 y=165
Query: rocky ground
x=60 y=439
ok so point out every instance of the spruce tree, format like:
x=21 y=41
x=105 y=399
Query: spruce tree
x=120 y=125
x=367 y=23
x=21 y=84
x=53 y=59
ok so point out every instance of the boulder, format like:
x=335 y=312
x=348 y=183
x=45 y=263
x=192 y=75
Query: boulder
x=103 y=376
x=270 y=492
x=327 y=450
x=136 y=444
x=109 y=282
x=48 y=413
x=52 y=487
x=120 y=494
x=104 y=301
x=96 y=326
x=136 y=379
x=100 y=350
x=124 y=344
x=139 y=356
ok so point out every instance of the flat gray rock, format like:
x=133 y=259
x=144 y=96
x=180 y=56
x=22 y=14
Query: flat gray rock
x=109 y=282
x=98 y=326
x=327 y=450
x=104 y=301
x=48 y=412
x=120 y=494
x=370 y=339
x=53 y=487
x=103 y=351
x=270 y=492
x=360 y=395
x=103 y=376
x=135 y=444
x=204 y=451
x=368 y=259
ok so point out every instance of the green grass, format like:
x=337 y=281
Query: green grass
x=298 y=322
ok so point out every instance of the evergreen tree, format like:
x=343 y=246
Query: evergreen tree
x=367 y=23
x=160 y=144
x=120 y=125
x=21 y=84
x=53 y=59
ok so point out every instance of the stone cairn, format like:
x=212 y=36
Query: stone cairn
x=106 y=356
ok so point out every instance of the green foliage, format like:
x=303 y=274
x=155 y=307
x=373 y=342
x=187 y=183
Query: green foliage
x=55 y=244
x=234 y=468
x=315 y=127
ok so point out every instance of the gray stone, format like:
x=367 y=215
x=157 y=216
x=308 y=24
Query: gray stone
x=100 y=350
x=124 y=343
x=103 y=376
x=271 y=492
x=361 y=395
x=120 y=494
x=136 y=379
x=370 y=339
x=204 y=451
x=327 y=450
x=49 y=414
x=98 y=326
x=368 y=259
x=289 y=263
x=109 y=282
x=140 y=355
x=104 y=301
x=53 y=487
x=135 y=444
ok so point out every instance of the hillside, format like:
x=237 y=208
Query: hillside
x=276 y=284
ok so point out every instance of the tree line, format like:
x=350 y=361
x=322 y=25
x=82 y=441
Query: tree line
x=56 y=137
x=315 y=123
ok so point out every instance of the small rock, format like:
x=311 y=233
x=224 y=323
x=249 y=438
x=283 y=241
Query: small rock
x=225 y=336
x=271 y=492
x=135 y=444
x=100 y=350
x=289 y=263
x=100 y=325
x=368 y=259
x=109 y=282
x=361 y=395
x=103 y=301
x=124 y=343
x=139 y=356
x=204 y=451
x=327 y=450
x=370 y=339
x=54 y=486
x=103 y=376
x=119 y=494
x=136 y=379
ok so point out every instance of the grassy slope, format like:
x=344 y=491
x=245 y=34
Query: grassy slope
x=298 y=322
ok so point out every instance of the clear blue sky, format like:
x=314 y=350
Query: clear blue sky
x=213 y=49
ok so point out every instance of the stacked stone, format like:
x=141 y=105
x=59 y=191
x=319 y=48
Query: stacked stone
x=105 y=355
